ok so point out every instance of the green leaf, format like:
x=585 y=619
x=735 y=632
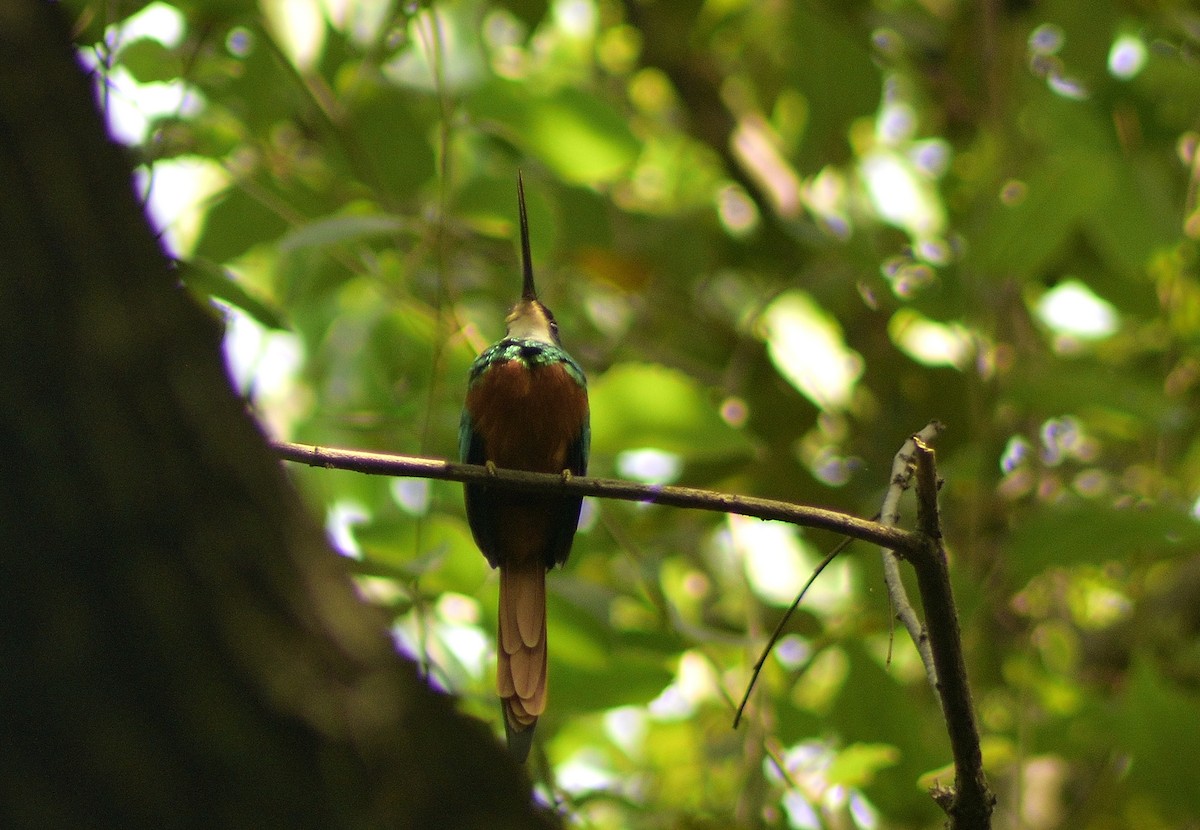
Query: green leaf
x=875 y=708
x=840 y=80
x=640 y=406
x=1124 y=403
x=1091 y=532
x=575 y=134
x=856 y=765
x=1137 y=219
x=396 y=143
x=529 y=12
x=623 y=678
x=437 y=548
x=236 y=223
x=394 y=138
x=258 y=88
x=489 y=205
x=1159 y=726
x=149 y=61
x=205 y=278
x=335 y=229
x=1058 y=192
x=580 y=137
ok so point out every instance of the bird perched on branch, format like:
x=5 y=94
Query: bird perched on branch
x=526 y=409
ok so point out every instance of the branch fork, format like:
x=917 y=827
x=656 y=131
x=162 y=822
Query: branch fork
x=938 y=639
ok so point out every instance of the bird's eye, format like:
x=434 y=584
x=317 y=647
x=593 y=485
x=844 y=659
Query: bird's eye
x=554 y=326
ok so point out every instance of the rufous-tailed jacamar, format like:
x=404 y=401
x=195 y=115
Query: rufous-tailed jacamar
x=526 y=409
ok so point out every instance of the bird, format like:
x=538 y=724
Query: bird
x=526 y=409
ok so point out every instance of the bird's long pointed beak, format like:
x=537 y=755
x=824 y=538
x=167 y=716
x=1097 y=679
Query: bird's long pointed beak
x=528 y=292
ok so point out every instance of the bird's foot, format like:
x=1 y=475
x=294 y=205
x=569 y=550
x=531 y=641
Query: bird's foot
x=491 y=467
x=567 y=475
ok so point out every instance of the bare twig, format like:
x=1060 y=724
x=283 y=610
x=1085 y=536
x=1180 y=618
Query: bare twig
x=787 y=615
x=889 y=514
x=407 y=465
x=970 y=806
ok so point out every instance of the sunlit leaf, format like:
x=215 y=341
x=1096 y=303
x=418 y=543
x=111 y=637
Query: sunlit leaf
x=807 y=345
x=446 y=559
x=335 y=229
x=149 y=60
x=580 y=137
x=856 y=765
x=636 y=406
x=627 y=679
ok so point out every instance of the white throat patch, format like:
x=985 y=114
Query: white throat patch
x=530 y=321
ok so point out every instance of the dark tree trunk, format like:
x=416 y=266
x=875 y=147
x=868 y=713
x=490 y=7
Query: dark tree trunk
x=178 y=646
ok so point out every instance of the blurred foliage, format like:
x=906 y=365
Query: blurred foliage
x=780 y=237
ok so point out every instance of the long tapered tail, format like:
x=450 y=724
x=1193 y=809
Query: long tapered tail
x=521 y=652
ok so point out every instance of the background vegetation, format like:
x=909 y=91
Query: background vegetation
x=780 y=237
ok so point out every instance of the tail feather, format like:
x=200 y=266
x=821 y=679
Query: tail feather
x=504 y=681
x=531 y=608
x=521 y=657
x=510 y=630
x=526 y=672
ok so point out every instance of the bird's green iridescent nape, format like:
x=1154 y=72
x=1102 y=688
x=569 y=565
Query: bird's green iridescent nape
x=531 y=352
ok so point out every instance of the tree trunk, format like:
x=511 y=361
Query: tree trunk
x=178 y=645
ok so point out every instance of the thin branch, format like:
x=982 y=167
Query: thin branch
x=970 y=807
x=889 y=514
x=414 y=466
x=787 y=615
x=775 y=753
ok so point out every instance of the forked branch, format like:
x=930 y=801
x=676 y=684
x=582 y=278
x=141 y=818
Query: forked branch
x=969 y=804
